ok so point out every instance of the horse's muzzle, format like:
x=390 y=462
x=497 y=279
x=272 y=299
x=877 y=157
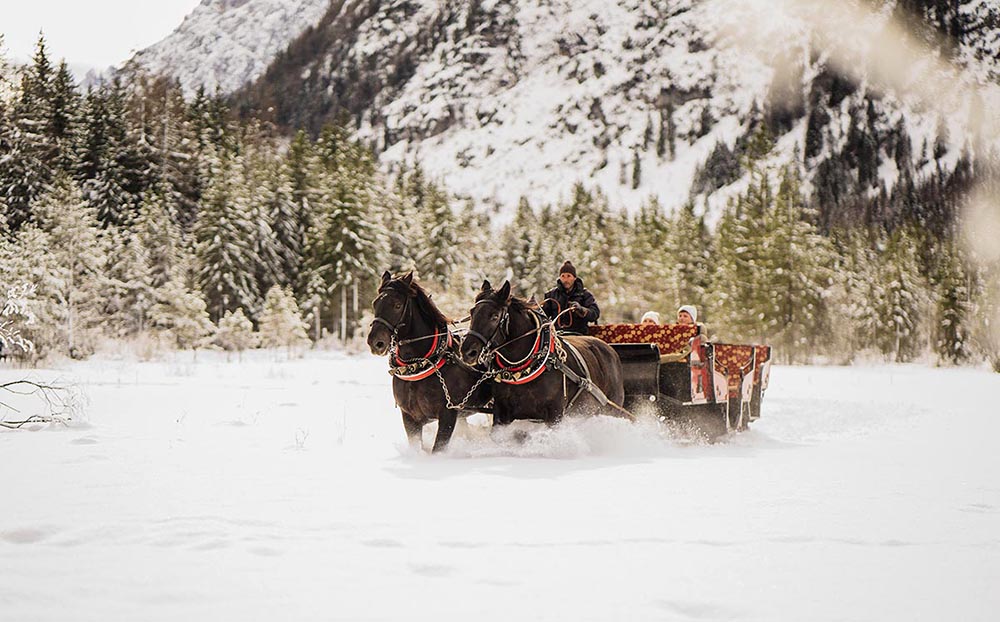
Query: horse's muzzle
x=378 y=345
x=471 y=354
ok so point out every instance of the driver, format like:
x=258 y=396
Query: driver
x=570 y=293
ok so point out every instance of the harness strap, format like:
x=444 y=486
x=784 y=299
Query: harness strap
x=423 y=367
x=584 y=383
x=531 y=367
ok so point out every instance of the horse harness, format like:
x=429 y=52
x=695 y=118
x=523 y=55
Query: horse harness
x=425 y=366
x=440 y=354
x=553 y=354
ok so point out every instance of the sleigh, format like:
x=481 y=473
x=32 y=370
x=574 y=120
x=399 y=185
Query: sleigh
x=717 y=387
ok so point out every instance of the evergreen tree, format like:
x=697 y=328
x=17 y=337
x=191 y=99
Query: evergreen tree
x=796 y=263
x=128 y=294
x=180 y=316
x=157 y=231
x=260 y=198
x=281 y=322
x=75 y=276
x=439 y=249
x=26 y=170
x=901 y=308
x=109 y=167
x=691 y=248
x=953 y=309
x=652 y=268
x=740 y=281
x=235 y=332
x=285 y=215
x=64 y=118
x=516 y=241
x=224 y=235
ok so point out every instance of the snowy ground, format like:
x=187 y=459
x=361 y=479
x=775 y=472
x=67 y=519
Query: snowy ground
x=283 y=490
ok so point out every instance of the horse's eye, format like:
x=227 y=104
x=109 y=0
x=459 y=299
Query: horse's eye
x=496 y=316
x=398 y=305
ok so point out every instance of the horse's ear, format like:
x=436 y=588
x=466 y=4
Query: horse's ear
x=386 y=277
x=486 y=286
x=408 y=277
x=504 y=293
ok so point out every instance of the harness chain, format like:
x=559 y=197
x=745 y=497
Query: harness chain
x=447 y=394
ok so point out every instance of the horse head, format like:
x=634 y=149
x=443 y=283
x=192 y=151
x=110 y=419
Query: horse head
x=393 y=310
x=487 y=319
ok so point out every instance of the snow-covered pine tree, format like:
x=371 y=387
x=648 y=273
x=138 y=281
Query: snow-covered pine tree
x=516 y=241
x=856 y=289
x=285 y=215
x=796 y=263
x=114 y=160
x=224 y=235
x=953 y=307
x=260 y=200
x=128 y=292
x=740 y=281
x=280 y=323
x=690 y=245
x=589 y=234
x=235 y=332
x=903 y=305
x=651 y=275
x=156 y=228
x=346 y=244
x=436 y=254
x=167 y=137
x=27 y=166
x=180 y=316
x=77 y=254
x=64 y=119
x=403 y=219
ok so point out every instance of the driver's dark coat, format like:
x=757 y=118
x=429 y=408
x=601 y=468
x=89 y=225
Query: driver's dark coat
x=558 y=299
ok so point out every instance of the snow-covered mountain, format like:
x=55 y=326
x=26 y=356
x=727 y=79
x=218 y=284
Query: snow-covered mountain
x=511 y=98
x=227 y=43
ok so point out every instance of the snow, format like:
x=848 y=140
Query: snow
x=227 y=44
x=283 y=489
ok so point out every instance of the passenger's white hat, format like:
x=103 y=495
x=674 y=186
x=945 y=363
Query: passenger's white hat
x=691 y=311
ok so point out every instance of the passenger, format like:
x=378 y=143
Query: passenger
x=687 y=314
x=650 y=317
x=569 y=293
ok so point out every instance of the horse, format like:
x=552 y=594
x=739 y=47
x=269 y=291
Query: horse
x=540 y=375
x=427 y=371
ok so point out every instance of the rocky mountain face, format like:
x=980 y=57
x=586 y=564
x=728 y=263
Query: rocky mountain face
x=227 y=43
x=503 y=99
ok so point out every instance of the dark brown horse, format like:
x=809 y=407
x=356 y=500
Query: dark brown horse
x=429 y=379
x=535 y=369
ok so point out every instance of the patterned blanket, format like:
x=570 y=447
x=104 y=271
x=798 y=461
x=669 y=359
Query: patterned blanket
x=669 y=338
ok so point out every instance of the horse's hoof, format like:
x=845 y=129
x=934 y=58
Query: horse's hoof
x=520 y=436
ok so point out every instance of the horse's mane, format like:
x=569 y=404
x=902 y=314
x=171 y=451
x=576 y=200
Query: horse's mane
x=516 y=302
x=520 y=304
x=425 y=305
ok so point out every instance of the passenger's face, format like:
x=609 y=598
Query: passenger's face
x=649 y=320
x=684 y=317
x=567 y=280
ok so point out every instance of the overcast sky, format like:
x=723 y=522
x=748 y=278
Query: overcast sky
x=91 y=33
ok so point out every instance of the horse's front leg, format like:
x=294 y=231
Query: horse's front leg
x=414 y=431
x=554 y=413
x=446 y=427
